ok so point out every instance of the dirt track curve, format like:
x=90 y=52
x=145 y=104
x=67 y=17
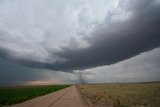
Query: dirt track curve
x=68 y=97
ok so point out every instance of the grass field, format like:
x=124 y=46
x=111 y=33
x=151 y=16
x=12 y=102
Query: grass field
x=123 y=95
x=13 y=95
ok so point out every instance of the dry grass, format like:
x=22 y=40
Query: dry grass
x=123 y=95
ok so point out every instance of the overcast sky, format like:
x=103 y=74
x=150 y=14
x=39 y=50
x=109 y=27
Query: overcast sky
x=49 y=41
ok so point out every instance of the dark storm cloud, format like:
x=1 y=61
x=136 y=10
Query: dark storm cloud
x=125 y=39
x=112 y=41
x=11 y=73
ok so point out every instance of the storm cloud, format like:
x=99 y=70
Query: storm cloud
x=15 y=74
x=126 y=31
x=71 y=35
x=114 y=41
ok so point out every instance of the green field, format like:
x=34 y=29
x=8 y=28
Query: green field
x=13 y=95
x=123 y=94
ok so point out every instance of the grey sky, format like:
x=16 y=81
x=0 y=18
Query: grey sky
x=40 y=38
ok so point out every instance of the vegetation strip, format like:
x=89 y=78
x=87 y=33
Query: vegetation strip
x=13 y=95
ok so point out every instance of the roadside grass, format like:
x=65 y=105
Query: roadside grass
x=124 y=94
x=13 y=95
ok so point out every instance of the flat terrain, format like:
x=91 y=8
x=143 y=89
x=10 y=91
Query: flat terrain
x=97 y=95
x=68 y=97
x=13 y=95
x=122 y=95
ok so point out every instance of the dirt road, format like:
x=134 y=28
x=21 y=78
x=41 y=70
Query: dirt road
x=68 y=97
